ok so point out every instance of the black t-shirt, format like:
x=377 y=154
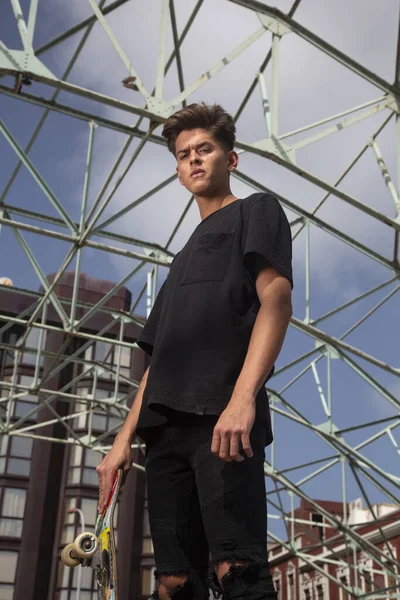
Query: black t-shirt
x=200 y=326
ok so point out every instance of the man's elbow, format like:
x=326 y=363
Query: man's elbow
x=279 y=301
x=286 y=305
x=290 y=308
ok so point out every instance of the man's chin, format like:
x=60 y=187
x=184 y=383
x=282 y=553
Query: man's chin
x=200 y=188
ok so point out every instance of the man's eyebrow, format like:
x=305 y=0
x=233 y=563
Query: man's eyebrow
x=182 y=150
x=206 y=143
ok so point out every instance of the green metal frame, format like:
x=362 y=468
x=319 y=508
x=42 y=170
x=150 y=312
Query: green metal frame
x=92 y=232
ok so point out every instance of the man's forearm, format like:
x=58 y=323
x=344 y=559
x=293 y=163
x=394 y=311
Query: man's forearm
x=129 y=427
x=265 y=344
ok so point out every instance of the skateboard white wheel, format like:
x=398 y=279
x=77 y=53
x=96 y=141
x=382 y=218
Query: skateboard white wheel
x=85 y=545
x=68 y=556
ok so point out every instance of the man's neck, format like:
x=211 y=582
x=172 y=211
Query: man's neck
x=207 y=205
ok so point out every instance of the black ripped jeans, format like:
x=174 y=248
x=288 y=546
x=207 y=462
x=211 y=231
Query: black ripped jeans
x=200 y=505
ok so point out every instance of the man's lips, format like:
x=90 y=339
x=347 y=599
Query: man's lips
x=197 y=172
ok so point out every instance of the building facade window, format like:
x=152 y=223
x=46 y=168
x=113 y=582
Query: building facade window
x=318 y=525
x=94 y=416
x=147 y=544
x=12 y=510
x=391 y=573
x=34 y=344
x=344 y=594
x=24 y=405
x=366 y=575
x=343 y=577
x=112 y=355
x=10 y=339
x=392 y=580
x=82 y=466
x=33 y=347
x=8 y=569
x=15 y=455
x=148 y=580
x=69 y=521
x=3 y=452
x=291 y=582
x=277 y=579
x=321 y=586
x=306 y=587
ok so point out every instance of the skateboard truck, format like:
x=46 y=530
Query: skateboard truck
x=81 y=549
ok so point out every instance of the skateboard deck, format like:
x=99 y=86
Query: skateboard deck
x=98 y=550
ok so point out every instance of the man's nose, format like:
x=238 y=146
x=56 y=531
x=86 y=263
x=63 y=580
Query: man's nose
x=194 y=158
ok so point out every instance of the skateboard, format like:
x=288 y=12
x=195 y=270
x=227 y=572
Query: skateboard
x=98 y=550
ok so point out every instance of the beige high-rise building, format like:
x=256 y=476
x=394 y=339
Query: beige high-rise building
x=42 y=480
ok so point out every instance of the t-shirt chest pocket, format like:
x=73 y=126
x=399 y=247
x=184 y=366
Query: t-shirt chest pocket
x=208 y=259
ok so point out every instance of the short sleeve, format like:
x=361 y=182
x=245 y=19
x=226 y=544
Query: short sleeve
x=267 y=232
x=148 y=335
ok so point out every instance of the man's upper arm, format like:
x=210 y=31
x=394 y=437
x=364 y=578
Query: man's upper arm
x=269 y=280
x=268 y=244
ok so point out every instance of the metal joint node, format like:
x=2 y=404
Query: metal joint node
x=274 y=25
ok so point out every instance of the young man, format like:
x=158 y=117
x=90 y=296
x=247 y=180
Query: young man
x=214 y=333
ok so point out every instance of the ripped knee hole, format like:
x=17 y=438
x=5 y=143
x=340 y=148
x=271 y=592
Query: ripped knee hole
x=178 y=585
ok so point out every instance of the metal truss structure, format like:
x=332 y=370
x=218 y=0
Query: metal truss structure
x=308 y=404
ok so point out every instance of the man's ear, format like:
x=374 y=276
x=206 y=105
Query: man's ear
x=233 y=160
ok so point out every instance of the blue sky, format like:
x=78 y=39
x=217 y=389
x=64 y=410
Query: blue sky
x=312 y=87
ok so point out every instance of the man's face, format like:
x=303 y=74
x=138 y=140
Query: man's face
x=203 y=164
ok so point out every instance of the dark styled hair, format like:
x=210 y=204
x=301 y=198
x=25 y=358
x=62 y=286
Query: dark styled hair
x=203 y=116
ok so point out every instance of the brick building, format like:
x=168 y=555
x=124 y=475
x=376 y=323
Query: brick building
x=330 y=568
